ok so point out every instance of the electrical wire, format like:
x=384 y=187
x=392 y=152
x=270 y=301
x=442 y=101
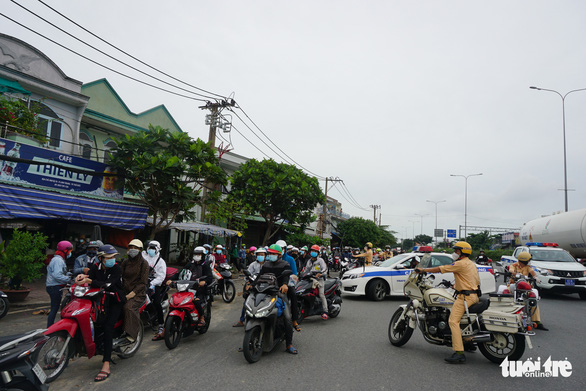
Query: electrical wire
x=99 y=64
x=345 y=188
x=128 y=54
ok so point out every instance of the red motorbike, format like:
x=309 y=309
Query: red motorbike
x=79 y=332
x=183 y=318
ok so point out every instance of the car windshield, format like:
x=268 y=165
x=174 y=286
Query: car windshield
x=394 y=260
x=551 y=256
x=435 y=260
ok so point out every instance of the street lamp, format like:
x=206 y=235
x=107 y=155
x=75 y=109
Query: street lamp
x=412 y=221
x=466 y=201
x=435 y=202
x=564 y=134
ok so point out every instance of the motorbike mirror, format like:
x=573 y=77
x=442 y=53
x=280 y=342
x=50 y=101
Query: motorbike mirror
x=107 y=285
x=431 y=277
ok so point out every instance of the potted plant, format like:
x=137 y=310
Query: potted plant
x=21 y=261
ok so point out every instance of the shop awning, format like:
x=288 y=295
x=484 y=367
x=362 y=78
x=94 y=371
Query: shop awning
x=12 y=87
x=31 y=203
x=204 y=228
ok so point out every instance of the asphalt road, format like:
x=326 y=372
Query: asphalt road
x=351 y=352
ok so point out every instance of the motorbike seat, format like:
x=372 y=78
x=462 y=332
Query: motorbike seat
x=479 y=307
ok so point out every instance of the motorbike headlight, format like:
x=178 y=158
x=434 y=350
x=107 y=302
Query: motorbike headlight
x=186 y=300
x=249 y=314
x=80 y=291
x=263 y=313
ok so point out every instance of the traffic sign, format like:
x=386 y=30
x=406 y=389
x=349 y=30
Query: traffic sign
x=438 y=233
x=451 y=233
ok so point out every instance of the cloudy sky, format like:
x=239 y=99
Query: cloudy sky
x=390 y=96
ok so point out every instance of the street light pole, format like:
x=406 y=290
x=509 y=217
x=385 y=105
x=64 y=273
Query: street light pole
x=466 y=201
x=564 y=134
x=420 y=215
x=435 y=202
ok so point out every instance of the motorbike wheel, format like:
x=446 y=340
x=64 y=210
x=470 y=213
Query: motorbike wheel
x=4 y=305
x=173 y=331
x=504 y=345
x=47 y=356
x=400 y=334
x=335 y=313
x=19 y=383
x=376 y=290
x=208 y=318
x=229 y=291
x=130 y=350
x=252 y=345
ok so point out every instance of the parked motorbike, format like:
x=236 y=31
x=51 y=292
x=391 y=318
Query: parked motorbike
x=499 y=330
x=19 y=370
x=308 y=297
x=225 y=286
x=79 y=332
x=4 y=304
x=264 y=327
x=183 y=317
x=149 y=315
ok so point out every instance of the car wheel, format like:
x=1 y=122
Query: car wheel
x=377 y=290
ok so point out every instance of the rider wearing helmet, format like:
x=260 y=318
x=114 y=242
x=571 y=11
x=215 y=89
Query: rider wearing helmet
x=291 y=295
x=83 y=262
x=196 y=269
x=318 y=269
x=106 y=271
x=57 y=277
x=467 y=287
x=522 y=267
x=253 y=269
x=157 y=274
x=135 y=278
x=218 y=255
x=367 y=255
x=281 y=269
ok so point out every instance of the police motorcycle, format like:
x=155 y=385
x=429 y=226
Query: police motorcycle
x=523 y=293
x=495 y=325
x=265 y=316
x=18 y=367
x=308 y=296
x=4 y=304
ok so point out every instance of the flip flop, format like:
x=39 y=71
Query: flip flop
x=291 y=350
x=296 y=327
x=238 y=324
x=100 y=376
x=158 y=337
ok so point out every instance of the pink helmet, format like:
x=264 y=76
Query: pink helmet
x=64 y=245
x=252 y=249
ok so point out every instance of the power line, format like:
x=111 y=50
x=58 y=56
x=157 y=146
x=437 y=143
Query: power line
x=99 y=64
x=128 y=54
x=351 y=197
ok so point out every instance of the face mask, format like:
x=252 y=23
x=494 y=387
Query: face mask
x=313 y=254
x=272 y=257
x=91 y=254
x=260 y=258
x=302 y=253
x=152 y=252
x=218 y=252
x=110 y=262
x=365 y=248
x=133 y=252
x=197 y=258
x=69 y=255
x=455 y=256
x=524 y=263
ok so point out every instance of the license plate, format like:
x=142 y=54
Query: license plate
x=571 y=282
x=40 y=374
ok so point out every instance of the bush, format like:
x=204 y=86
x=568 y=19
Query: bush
x=22 y=259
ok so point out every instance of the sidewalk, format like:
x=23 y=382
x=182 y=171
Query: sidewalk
x=38 y=297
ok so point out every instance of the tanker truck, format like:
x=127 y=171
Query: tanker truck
x=567 y=229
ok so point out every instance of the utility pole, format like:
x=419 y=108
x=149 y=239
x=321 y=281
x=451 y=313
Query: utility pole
x=213 y=119
x=375 y=207
x=325 y=208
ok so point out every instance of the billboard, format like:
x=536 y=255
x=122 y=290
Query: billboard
x=52 y=169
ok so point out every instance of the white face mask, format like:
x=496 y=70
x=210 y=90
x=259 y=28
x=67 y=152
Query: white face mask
x=197 y=258
x=133 y=252
x=455 y=256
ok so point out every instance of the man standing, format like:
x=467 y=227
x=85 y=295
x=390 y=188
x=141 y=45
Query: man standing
x=467 y=287
x=367 y=255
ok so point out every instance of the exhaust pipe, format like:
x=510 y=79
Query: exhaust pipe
x=482 y=338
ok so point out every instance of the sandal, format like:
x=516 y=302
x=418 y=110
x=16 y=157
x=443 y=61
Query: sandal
x=201 y=323
x=296 y=327
x=100 y=376
x=238 y=324
x=291 y=350
x=158 y=337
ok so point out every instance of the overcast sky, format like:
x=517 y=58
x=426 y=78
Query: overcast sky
x=390 y=96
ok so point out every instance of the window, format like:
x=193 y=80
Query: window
x=49 y=122
x=86 y=145
x=108 y=145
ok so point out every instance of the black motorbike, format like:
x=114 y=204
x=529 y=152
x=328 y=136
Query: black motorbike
x=18 y=367
x=265 y=317
x=308 y=296
x=4 y=304
x=225 y=286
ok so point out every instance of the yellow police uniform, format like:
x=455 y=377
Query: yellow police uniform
x=367 y=257
x=467 y=279
x=525 y=270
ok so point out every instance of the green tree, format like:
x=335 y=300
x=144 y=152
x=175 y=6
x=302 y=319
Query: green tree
x=423 y=239
x=22 y=118
x=229 y=212
x=355 y=232
x=480 y=241
x=21 y=260
x=281 y=193
x=166 y=170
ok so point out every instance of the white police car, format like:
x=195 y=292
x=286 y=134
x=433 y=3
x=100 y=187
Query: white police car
x=377 y=282
x=558 y=271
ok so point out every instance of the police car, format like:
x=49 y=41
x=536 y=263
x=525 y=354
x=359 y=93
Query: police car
x=558 y=270
x=387 y=279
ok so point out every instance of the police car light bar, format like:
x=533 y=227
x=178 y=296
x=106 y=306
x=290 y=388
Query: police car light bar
x=539 y=244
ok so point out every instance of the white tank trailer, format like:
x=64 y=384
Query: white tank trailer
x=567 y=229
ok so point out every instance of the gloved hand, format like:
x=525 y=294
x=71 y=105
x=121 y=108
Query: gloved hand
x=130 y=295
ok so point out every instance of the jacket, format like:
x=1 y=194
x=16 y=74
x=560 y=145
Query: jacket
x=279 y=268
x=135 y=275
x=192 y=271
x=157 y=268
x=101 y=275
x=57 y=272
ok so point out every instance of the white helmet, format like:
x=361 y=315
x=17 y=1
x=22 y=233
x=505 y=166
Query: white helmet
x=283 y=245
x=154 y=244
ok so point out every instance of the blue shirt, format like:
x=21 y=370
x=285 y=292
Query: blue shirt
x=56 y=272
x=291 y=262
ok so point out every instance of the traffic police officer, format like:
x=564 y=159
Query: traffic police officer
x=467 y=286
x=522 y=266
